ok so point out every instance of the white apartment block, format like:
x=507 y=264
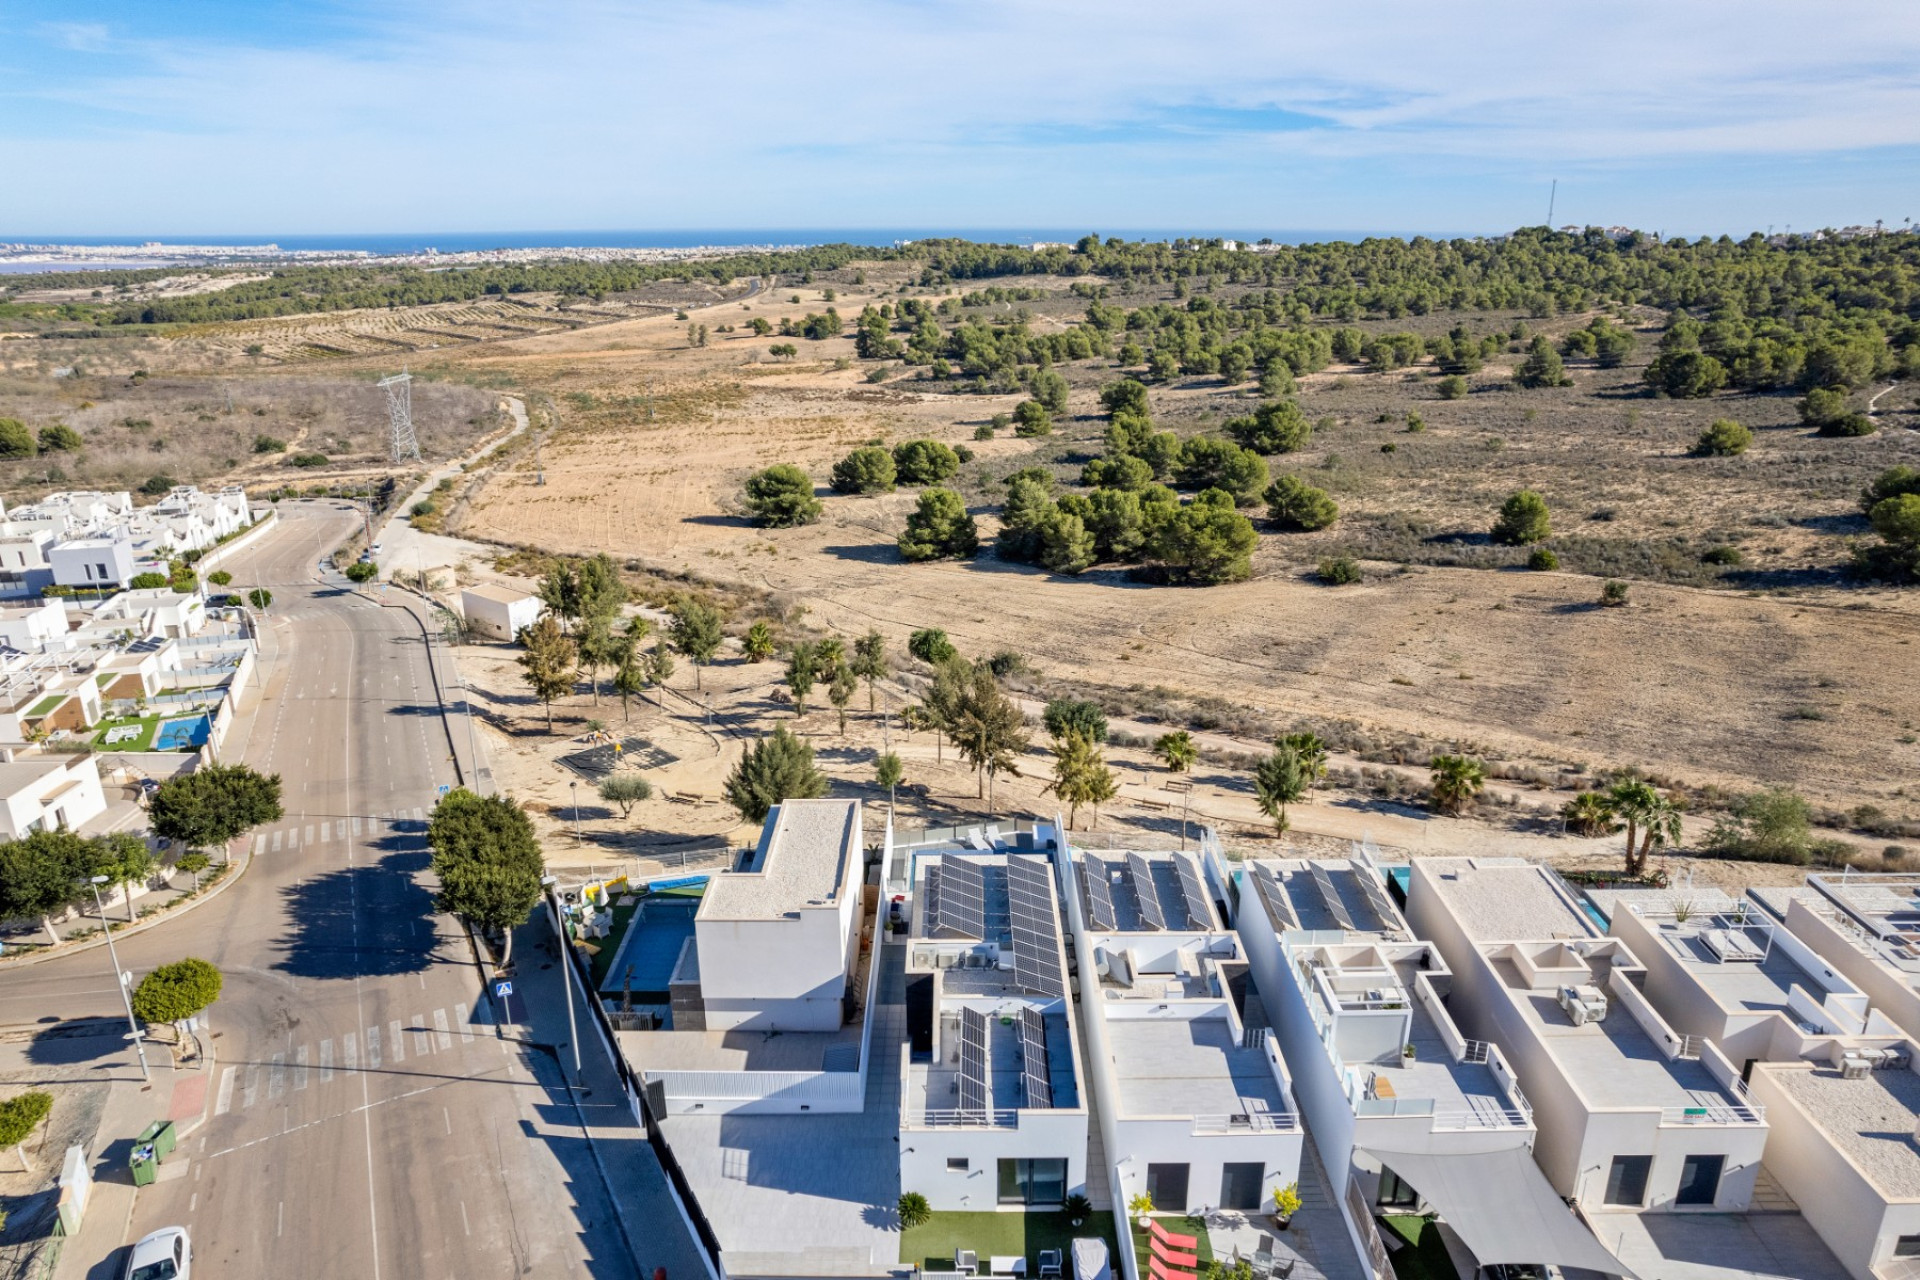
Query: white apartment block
x=101 y=539
x=48 y=793
x=1196 y=1109
x=992 y=1115
x=1408 y=1112
x=1632 y=1114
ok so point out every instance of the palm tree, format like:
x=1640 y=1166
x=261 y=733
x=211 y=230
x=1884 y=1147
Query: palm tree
x=1278 y=781
x=1590 y=814
x=1311 y=750
x=1651 y=819
x=1456 y=781
x=1080 y=775
x=1177 y=750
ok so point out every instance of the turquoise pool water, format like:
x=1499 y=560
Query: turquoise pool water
x=180 y=735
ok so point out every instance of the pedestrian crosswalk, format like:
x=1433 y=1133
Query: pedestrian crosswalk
x=303 y=834
x=295 y=1068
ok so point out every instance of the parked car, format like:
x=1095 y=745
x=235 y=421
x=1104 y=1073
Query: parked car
x=165 y=1254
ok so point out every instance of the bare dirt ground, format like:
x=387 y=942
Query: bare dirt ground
x=1707 y=685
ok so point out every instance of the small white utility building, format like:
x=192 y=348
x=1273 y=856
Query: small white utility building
x=499 y=612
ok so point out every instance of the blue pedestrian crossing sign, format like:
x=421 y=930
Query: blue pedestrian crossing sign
x=444 y=788
x=502 y=989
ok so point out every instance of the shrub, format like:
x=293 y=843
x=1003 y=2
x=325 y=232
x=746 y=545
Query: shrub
x=939 y=527
x=1686 y=375
x=58 y=437
x=1125 y=395
x=1117 y=471
x=1894 y=482
x=983 y=432
x=147 y=581
x=1208 y=462
x=1721 y=555
x=16 y=441
x=269 y=444
x=931 y=646
x=362 y=571
x=1724 y=439
x=1775 y=825
x=1030 y=418
x=1523 y=520
x=1203 y=543
x=1542 y=367
x=1050 y=389
x=1542 y=560
x=1279 y=427
x=156 y=486
x=1292 y=503
x=1339 y=571
x=924 y=462
x=220 y=577
x=868 y=470
x=1613 y=593
x=1452 y=387
x=1074 y=715
x=782 y=496
x=307 y=460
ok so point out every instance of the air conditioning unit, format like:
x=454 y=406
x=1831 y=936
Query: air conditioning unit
x=1583 y=1004
x=1855 y=1068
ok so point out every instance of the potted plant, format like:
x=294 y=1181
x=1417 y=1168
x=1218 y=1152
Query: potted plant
x=1286 y=1203
x=914 y=1210
x=1078 y=1207
x=1140 y=1207
x=1408 y=1054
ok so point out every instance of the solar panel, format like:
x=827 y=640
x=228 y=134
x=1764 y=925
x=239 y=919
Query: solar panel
x=1037 y=1082
x=1034 y=927
x=930 y=899
x=974 y=1088
x=1093 y=875
x=1145 y=896
x=963 y=893
x=1199 y=915
x=1376 y=894
x=1268 y=885
x=1331 y=895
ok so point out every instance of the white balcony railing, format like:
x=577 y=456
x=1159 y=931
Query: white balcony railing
x=1247 y=1122
x=957 y=1119
x=1715 y=1115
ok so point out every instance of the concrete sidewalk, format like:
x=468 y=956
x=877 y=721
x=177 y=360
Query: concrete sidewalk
x=631 y=1174
x=179 y=1095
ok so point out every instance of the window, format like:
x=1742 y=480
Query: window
x=103 y=573
x=1032 y=1182
x=958 y=1164
x=1167 y=1187
x=1240 y=1185
x=1396 y=1192
x=1699 y=1180
x=1627 y=1180
x=1907 y=1247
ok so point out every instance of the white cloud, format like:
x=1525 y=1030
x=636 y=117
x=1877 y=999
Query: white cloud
x=773 y=112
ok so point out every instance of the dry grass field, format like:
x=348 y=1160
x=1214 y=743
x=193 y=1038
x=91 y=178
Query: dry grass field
x=1796 y=683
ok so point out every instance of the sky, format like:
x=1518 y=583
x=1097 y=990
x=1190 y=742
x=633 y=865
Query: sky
x=373 y=116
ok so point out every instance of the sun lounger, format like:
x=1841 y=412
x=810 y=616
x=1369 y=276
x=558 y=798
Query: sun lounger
x=1171 y=1239
x=1174 y=1257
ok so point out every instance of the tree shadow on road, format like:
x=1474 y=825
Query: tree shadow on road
x=78 y=1040
x=369 y=920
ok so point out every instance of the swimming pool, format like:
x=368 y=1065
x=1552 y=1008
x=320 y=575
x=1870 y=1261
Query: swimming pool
x=181 y=735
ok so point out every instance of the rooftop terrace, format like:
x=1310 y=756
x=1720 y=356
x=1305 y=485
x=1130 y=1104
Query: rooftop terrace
x=1325 y=896
x=804 y=859
x=1197 y=1067
x=1870 y=1119
x=1506 y=900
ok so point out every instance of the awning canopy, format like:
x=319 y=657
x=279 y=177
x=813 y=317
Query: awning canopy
x=1502 y=1206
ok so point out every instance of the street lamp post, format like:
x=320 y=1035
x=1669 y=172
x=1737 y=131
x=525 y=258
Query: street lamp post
x=566 y=963
x=120 y=980
x=577 y=841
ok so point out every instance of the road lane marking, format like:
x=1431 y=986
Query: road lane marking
x=356 y=827
x=396 y=1043
x=293 y=837
x=440 y=1028
x=349 y=1060
x=326 y=1061
x=465 y=1020
x=277 y=1078
x=251 y=1088
x=276 y=840
x=467 y=1226
x=259 y=844
x=422 y=1038
x=447 y=1115
x=309 y=833
x=341 y=828
x=300 y=1069
x=225 y=1102
x=326 y=832
x=373 y=1048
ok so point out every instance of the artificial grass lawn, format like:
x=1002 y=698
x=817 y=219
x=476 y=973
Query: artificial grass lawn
x=1181 y=1225
x=931 y=1246
x=598 y=962
x=47 y=704
x=1425 y=1257
x=142 y=743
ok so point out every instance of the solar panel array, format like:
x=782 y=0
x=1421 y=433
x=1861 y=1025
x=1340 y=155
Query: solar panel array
x=1033 y=1059
x=1034 y=927
x=961 y=907
x=1324 y=883
x=1198 y=914
x=1278 y=905
x=1144 y=893
x=1376 y=893
x=1093 y=874
x=974 y=1087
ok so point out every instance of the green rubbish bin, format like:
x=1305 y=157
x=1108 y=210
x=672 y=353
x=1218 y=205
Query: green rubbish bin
x=160 y=1136
x=142 y=1165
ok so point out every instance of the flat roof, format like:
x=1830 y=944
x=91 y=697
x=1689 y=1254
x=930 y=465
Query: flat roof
x=17 y=774
x=497 y=593
x=1613 y=1063
x=1162 y=889
x=804 y=858
x=743 y=1050
x=1506 y=900
x=1189 y=1067
x=1871 y=1119
x=1754 y=986
x=1308 y=901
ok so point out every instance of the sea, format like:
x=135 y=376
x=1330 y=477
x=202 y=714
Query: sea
x=405 y=243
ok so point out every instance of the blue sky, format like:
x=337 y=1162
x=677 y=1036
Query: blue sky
x=348 y=116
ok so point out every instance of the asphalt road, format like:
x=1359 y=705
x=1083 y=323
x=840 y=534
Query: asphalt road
x=369 y=1120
